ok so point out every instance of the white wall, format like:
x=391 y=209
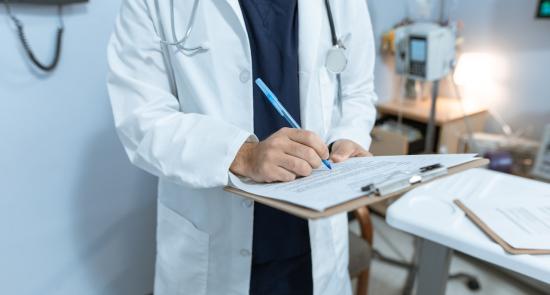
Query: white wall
x=505 y=28
x=75 y=216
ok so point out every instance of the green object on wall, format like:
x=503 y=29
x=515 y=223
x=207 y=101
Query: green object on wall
x=45 y=2
x=544 y=9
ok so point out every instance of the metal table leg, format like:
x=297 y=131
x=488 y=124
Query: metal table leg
x=433 y=268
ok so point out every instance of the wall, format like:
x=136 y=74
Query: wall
x=506 y=29
x=75 y=216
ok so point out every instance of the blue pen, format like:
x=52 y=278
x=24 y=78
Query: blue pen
x=281 y=109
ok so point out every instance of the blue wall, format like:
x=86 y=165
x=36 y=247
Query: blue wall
x=75 y=216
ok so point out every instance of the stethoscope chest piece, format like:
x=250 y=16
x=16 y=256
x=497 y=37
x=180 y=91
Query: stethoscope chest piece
x=336 y=61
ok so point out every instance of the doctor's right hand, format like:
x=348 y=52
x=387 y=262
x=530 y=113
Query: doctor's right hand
x=285 y=155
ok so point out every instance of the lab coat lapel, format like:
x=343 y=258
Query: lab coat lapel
x=310 y=14
x=239 y=26
x=236 y=9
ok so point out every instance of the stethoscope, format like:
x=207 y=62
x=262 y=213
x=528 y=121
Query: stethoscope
x=336 y=59
x=180 y=44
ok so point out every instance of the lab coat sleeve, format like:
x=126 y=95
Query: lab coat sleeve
x=355 y=116
x=190 y=149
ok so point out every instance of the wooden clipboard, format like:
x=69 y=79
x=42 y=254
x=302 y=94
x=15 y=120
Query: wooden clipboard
x=489 y=232
x=348 y=206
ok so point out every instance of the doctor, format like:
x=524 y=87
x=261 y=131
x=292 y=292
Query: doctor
x=185 y=107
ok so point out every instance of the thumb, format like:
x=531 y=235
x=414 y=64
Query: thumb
x=341 y=152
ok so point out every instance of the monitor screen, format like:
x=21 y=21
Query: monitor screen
x=543 y=10
x=418 y=48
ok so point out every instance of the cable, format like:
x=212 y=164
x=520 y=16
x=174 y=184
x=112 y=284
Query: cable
x=23 y=38
x=451 y=9
x=400 y=101
x=465 y=118
x=506 y=129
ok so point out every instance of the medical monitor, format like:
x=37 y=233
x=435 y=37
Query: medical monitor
x=418 y=55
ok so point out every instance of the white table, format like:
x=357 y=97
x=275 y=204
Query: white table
x=429 y=213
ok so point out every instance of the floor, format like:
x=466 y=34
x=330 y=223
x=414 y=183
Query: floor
x=388 y=280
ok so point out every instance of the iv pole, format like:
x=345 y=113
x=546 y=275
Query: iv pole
x=429 y=144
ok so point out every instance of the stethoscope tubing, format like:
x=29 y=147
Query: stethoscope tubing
x=331 y=24
x=180 y=44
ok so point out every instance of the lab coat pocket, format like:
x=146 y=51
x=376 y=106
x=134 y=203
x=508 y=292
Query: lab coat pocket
x=182 y=255
x=328 y=94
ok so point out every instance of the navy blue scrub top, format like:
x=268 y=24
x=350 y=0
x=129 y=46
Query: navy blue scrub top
x=272 y=27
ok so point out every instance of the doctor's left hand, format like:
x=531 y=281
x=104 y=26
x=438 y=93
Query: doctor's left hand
x=344 y=149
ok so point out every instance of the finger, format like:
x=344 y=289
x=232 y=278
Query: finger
x=279 y=174
x=364 y=153
x=303 y=152
x=310 y=139
x=342 y=151
x=361 y=152
x=295 y=165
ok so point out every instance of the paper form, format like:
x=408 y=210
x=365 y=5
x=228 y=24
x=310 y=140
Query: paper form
x=524 y=224
x=326 y=188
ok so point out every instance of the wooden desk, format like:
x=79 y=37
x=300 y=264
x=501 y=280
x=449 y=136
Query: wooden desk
x=449 y=118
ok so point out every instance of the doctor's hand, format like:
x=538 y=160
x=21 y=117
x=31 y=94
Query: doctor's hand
x=285 y=155
x=344 y=149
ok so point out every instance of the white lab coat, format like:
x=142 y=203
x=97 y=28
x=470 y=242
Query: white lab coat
x=204 y=235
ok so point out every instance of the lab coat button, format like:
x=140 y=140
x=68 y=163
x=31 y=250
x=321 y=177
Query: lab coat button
x=244 y=76
x=247 y=203
x=245 y=252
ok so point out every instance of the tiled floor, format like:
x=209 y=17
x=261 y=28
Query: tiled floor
x=389 y=280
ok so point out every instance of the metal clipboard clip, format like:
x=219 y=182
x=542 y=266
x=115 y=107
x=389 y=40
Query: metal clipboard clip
x=397 y=184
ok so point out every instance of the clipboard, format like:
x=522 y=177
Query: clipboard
x=367 y=199
x=489 y=232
